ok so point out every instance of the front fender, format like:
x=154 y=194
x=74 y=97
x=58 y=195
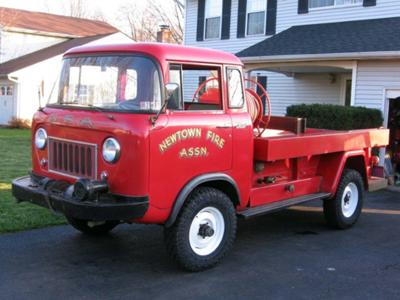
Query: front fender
x=194 y=183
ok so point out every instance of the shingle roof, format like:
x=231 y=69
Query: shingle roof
x=43 y=54
x=344 y=37
x=49 y=23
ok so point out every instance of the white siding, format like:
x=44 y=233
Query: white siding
x=14 y=44
x=1 y=43
x=287 y=17
x=303 y=88
x=116 y=38
x=373 y=77
x=30 y=79
x=232 y=45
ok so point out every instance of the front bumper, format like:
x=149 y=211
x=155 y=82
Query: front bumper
x=58 y=197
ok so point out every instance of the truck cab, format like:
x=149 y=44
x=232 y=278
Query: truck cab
x=169 y=135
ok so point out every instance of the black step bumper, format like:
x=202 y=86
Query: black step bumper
x=58 y=197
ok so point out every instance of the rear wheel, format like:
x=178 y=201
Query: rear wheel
x=92 y=227
x=344 y=210
x=204 y=231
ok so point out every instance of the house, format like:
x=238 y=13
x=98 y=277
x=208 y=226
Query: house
x=308 y=51
x=31 y=48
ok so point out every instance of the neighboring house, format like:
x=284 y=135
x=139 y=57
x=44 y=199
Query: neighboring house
x=31 y=48
x=308 y=51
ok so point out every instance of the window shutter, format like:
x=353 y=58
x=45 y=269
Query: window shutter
x=303 y=7
x=241 y=25
x=226 y=19
x=200 y=20
x=271 y=17
x=369 y=3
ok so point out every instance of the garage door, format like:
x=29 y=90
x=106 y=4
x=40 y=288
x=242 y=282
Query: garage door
x=6 y=103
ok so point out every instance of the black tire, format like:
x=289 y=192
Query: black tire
x=96 y=230
x=178 y=241
x=335 y=211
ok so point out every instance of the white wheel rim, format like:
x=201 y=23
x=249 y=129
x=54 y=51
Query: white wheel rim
x=350 y=199
x=211 y=218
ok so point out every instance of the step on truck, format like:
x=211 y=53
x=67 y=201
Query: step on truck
x=169 y=135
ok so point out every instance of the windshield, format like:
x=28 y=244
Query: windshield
x=118 y=83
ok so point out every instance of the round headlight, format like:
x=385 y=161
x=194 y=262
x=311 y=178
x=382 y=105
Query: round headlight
x=111 y=150
x=40 y=138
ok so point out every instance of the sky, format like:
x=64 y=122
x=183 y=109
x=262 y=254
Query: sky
x=110 y=9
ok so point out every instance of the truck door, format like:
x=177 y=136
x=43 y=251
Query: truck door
x=194 y=136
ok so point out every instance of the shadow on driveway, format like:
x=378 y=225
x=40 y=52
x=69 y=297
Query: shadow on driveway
x=290 y=254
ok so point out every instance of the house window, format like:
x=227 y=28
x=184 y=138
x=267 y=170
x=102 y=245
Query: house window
x=256 y=16
x=213 y=12
x=9 y=90
x=201 y=80
x=6 y=90
x=332 y=3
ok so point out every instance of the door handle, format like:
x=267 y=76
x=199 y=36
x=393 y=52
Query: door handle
x=224 y=126
x=240 y=125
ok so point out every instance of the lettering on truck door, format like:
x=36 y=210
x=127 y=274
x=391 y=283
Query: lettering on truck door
x=197 y=135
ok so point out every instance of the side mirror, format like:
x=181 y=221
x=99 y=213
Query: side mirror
x=172 y=95
x=171 y=89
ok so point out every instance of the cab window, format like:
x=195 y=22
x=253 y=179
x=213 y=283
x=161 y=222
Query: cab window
x=199 y=87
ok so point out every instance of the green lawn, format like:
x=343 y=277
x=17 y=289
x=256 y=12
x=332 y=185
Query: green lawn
x=15 y=158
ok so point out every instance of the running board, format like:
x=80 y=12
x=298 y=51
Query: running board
x=279 y=205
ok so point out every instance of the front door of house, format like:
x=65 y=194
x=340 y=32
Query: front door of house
x=6 y=103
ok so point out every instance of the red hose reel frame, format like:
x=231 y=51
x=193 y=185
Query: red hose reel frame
x=253 y=102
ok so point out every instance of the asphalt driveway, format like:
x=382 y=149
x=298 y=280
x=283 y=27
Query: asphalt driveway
x=290 y=254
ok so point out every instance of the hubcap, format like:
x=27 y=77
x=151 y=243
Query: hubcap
x=350 y=199
x=206 y=231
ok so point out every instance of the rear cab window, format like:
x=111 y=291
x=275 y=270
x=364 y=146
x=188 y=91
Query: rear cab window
x=235 y=88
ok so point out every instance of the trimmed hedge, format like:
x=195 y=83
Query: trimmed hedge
x=337 y=117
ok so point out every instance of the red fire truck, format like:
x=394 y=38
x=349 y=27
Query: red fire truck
x=164 y=134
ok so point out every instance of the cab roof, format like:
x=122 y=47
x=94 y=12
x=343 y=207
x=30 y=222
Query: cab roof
x=163 y=52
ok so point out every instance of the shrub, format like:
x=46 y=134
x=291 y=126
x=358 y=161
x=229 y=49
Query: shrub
x=18 y=123
x=337 y=117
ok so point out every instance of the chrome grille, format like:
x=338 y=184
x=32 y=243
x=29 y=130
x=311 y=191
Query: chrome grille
x=72 y=158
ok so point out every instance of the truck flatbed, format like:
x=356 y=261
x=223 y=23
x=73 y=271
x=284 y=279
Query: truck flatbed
x=278 y=144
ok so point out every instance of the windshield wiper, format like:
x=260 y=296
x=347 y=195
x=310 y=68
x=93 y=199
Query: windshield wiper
x=102 y=111
x=153 y=119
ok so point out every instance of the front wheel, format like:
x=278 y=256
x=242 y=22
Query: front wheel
x=344 y=210
x=92 y=228
x=204 y=231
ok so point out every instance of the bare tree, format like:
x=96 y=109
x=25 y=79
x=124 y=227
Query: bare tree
x=142 y=25
x=77 y=9
x=173 y=19
x=144 y=21
x=80 y=9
